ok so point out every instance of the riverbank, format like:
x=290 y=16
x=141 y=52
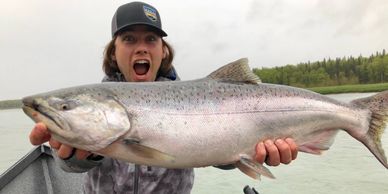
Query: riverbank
x=359 y=88
x=10 y=104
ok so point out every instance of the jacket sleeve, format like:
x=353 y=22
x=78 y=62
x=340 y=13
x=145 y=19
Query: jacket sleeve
x=72 y=164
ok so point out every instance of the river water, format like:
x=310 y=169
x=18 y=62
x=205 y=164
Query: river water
x=347 y=168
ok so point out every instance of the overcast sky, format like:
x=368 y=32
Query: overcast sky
x=46 y=45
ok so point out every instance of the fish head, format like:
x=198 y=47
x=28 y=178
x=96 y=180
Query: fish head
x=89 y=120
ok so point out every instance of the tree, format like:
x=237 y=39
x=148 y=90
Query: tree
x=345 y=70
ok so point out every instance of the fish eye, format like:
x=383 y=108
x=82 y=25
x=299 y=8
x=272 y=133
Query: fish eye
x=64 y=106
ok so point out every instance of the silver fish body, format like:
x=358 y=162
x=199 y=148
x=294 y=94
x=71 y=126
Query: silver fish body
x=211 y=121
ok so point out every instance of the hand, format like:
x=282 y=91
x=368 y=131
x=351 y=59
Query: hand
x=273 y=153
x=40 y=135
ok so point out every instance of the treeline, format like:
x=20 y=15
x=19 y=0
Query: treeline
x=10 y=104
x=330 y=72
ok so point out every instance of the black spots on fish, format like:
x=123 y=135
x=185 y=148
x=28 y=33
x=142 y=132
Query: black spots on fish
x=221 y=89
x=142 y=98
x=180 y=108
x=96 y=96
x=287 y=94
x=185 y=96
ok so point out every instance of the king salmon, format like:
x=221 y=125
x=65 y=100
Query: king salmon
x=216 y=120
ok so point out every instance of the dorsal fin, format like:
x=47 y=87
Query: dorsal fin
x=238 y=71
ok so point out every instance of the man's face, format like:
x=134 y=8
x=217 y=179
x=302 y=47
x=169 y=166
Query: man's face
x=139 y=53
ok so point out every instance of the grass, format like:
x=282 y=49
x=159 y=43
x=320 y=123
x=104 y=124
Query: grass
x=360 y=88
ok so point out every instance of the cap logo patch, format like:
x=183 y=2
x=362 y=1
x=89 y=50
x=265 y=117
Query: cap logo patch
x=150 y=13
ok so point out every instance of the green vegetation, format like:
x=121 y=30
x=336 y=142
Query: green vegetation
x=351 y=88
x=10 y=104
x=332 y=72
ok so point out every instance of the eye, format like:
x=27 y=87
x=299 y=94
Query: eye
x=151 y=38
x=128 y=38
x=65 y=106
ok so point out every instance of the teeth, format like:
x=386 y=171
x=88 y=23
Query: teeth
x=141 y=61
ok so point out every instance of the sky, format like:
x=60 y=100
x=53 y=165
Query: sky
x=47 y=45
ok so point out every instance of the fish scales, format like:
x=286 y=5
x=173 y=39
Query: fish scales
x=219 y=110
x=202 y=95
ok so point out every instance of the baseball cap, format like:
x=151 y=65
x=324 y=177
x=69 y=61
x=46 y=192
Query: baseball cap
x=136 y=13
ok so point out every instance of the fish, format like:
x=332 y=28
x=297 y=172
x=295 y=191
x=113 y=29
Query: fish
x=211 y=121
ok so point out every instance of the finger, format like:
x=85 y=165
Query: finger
x=81 y=154
x=55 y=144
x=261 y=153
x=293 y=147
x=65 y=151
x=273 y=158
x=39 y=134
x=284 y=151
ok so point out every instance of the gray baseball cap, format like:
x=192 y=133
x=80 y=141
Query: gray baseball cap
x=135 y=13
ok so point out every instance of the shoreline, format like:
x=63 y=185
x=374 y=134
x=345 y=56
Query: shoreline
x=11 y=104
x=356 y=88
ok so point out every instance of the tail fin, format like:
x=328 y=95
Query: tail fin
x=378 y=105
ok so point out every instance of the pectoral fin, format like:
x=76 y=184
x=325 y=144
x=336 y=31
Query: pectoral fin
x=252 y=168
x=147 y=152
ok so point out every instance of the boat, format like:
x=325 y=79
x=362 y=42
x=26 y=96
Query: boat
x=37 y=172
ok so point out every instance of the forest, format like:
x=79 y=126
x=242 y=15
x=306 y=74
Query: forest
x=329 y=72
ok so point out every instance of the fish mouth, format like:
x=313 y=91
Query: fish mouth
x=38 y=112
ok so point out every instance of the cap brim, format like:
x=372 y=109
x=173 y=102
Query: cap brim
x=153 y=28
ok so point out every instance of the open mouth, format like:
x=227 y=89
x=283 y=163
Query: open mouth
x=43 y=114
x=141 y=67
